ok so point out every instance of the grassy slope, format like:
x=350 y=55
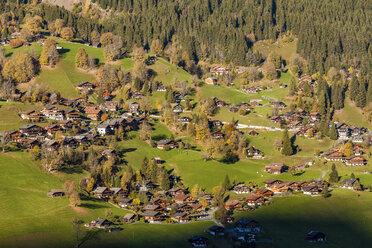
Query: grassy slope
x=32 y=219
x=352 y=115
x=345 y=218
x=24 y=206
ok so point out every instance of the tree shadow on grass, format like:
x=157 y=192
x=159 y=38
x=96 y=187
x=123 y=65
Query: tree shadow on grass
x=90 y=235
x=63 y=50
x=91 y=206
x=72 y=170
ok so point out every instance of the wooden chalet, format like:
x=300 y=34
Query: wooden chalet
x=183 y=199
x=271 y=182
x=170 y=143
x=255 y=200
x=211 y=80
x=198 y=241
x=263 y=192
x=125 y=202
x=232 y=205
x=281 y=188
x=334 y=156
x=152 y=216
x=241 y=189
x=102 y=192
x=246 y=225
x=15 y=136
x=356 y=160
x=31 y=130
x=85 y=86
x=275 y=168
x=348 y=183
x=55 y=193
x=180 y=217
x=72 y=114
x=32 y=115
x=52 y=128
x=93 y=113
x=311 y=190
x=99 y=223
x=177 y=191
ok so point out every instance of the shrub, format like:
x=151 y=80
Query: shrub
x=16 y=43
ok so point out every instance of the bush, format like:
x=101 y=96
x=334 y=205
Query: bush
x=166 y=148
x=16 y=43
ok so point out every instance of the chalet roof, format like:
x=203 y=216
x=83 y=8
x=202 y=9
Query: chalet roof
x=28 y=126
x=163 y=142
x=349 y=182
x=253 y=197
x=271 y=181
x=115 y=190
x=151 y=213
x=125 y=200
x=129 y=216
x=151 y=207
x=216 y=228
x=179 y=214
x=246 y=221
x=53 y=191
x=100 y=221
x=100 y=190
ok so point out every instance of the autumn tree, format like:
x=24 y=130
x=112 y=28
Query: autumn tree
x=156 y=47
x=75 y=199
x=81 y=59
x=20 y=69
x=49 y=54
x=33 y=24
x=67 y=33
x=139 y=54
x=145 y=131
x=270 y=71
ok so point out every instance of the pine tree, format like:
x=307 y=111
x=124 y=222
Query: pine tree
x=361 y=98
x=333 y=132
x=369 y=91
x=354 y=88
x=287 y=149
x=322 y=104
x=325 y=192
x=357 y=185
x=164 y=180
x=226 y=185
x=333 y=176
x=145 y=167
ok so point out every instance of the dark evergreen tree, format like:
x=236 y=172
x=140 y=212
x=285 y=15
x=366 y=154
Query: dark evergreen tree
x=226 y=185
x=354 y=88
x=333 y=176
x=287 y=149
x=333 y=135
x=361 y=99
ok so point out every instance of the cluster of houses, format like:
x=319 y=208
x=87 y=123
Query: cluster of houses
x=74 y=131
x=175 y=204
x=258 y=197
x=338 y=154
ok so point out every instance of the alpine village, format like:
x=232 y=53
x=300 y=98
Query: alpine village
x=194 y=123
